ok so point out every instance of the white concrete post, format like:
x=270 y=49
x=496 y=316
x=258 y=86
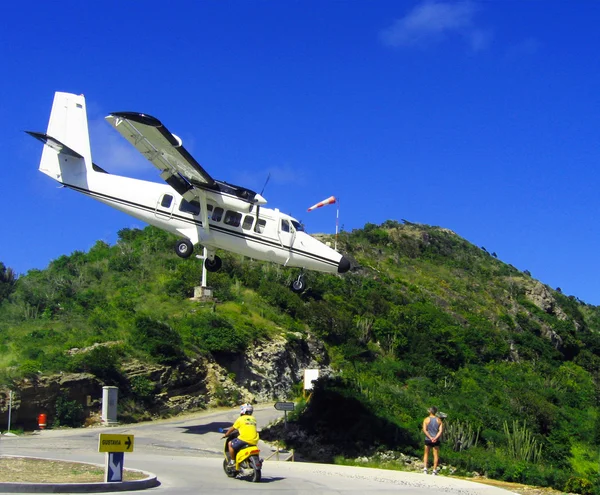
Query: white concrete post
x=109 y=405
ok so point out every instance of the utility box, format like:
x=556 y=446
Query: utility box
x=202 y=293
x=110 y=397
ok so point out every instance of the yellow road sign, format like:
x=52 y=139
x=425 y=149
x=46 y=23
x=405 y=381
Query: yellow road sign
x=115 y=443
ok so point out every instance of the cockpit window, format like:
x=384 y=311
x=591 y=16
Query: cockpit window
x=298 y=226
x=285 y=226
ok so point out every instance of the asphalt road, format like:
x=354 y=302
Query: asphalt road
x=186 y=455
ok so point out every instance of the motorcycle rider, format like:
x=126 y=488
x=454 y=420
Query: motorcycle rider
x=248 y=434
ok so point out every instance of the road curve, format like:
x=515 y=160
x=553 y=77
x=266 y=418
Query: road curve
x=185 y=454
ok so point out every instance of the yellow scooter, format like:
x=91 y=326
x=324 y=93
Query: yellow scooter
x=248 y=464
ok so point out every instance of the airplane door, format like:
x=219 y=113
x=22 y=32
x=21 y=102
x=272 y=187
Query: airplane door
x=286 y=233
x=164 y=207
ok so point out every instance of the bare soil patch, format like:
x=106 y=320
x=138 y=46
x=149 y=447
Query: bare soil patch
x=27 y=470
x=517 y=488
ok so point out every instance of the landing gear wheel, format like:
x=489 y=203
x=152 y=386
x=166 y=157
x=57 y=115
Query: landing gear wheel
x=299 y=284
x=184 y=248
x=213 y=265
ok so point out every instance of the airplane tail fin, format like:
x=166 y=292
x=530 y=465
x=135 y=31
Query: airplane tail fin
x=67 y=156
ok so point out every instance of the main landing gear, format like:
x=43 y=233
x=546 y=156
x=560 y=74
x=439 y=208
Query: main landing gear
x=184 y=248
x=299 y=284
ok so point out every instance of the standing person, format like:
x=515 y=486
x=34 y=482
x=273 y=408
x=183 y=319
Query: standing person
x=248 y=434
x=433 y=428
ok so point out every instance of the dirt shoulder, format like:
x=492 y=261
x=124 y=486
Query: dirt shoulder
x=517 y=488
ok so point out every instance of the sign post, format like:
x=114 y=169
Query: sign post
x=309 y=377
x=9 y=408
x=115 y=447
x=285 y=407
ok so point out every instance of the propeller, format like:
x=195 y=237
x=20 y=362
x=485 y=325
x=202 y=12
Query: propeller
x=258 y=206
x=266 y=182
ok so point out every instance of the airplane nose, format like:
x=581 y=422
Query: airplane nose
x=343 y=265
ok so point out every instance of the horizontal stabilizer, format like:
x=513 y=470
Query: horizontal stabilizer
x=55 y=144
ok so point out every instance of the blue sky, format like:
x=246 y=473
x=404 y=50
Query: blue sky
x=478 y=116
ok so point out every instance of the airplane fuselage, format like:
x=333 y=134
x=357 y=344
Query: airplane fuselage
x=231 y=224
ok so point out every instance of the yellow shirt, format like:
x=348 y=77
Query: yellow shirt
x=246 y=425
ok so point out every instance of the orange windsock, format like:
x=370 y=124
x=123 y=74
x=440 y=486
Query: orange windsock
x=329 y=201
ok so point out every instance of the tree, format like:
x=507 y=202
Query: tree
x=8 y=280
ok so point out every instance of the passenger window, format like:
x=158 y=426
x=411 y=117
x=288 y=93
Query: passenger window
x=192 y=207
x=248 y=221
x=260 y=226
x=217 y=214
x=233 y=218
x=285 y=226
x=166 y=201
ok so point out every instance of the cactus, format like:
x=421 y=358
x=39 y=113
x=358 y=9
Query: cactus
x=460 y=436
x=521 y=444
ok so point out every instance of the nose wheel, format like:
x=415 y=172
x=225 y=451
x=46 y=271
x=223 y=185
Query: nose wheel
x=299 y=284
x=214 y=264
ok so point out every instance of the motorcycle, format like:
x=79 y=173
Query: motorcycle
x=248 y=464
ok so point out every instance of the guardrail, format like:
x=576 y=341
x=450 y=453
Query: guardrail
x=278 y=452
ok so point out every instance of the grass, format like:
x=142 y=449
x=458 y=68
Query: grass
x=30 y=470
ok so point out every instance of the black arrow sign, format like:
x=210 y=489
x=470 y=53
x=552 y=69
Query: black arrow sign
x=128 y=443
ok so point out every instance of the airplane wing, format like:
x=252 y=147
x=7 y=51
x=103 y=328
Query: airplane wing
x=166 y=152
x=162 y=148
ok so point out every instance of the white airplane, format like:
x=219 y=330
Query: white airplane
x=192 y=205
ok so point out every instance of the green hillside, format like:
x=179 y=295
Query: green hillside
x=425 y=318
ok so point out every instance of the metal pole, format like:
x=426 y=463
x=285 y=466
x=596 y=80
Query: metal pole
x=337 y=221
x=9 y=408
x=205 y=256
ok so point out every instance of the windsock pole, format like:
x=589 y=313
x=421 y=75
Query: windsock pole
x=337 y=221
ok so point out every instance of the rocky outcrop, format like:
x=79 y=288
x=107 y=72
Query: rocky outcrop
x=267 y=371
x=541 y=296
x=270 y=370
x=33 y=397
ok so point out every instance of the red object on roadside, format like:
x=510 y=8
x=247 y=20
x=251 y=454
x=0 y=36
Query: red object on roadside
x=42 y=421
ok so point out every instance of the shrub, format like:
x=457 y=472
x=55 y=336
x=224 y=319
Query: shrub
x=102 y=362
x=68 y=413
x=29 y=369
x=143 y=389
x=557 y=448
x=579 y=485
x=215 y=334
x=158 y=339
